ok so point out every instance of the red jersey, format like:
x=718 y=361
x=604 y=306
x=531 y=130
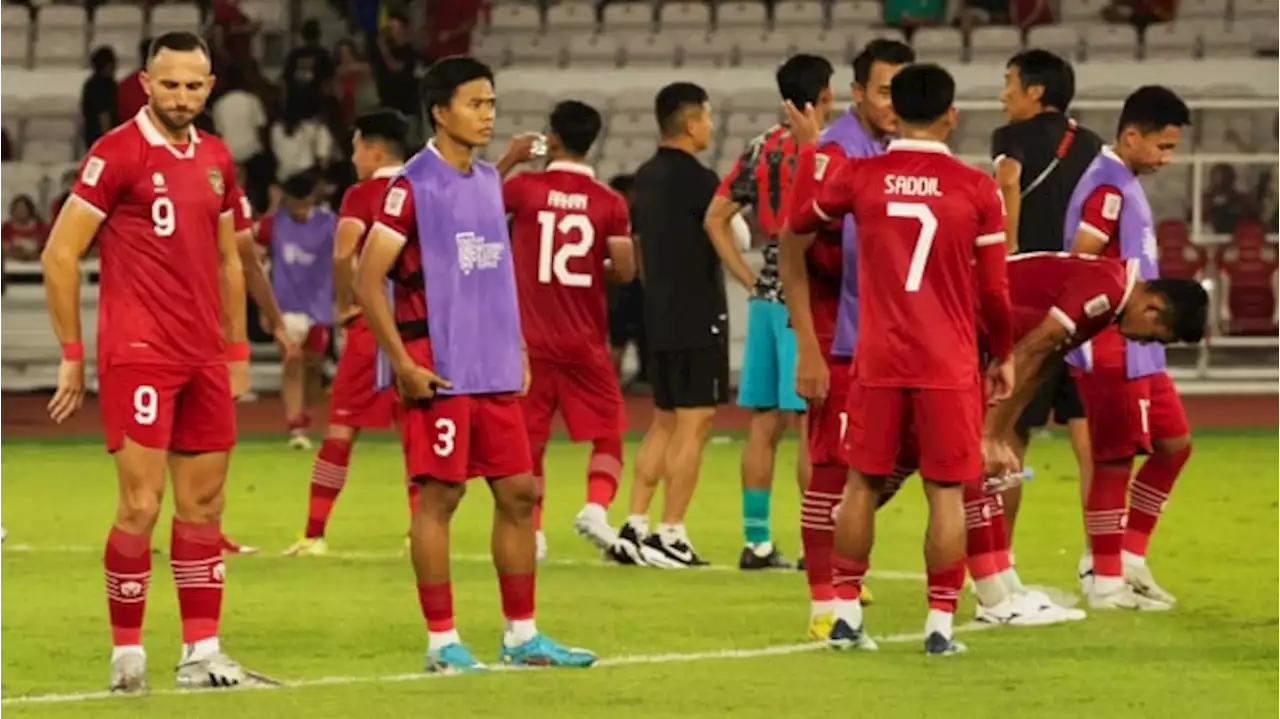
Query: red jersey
x=561 y=221
x=825 y=257
x=243 y=210
x=761 y=178
x=396 y=216
x=1083 y=293
x=159 y=299
x=926 y=222
x=1100 y=217
x=363 y=200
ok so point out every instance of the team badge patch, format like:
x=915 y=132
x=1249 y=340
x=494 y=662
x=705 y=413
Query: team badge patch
x=215 y=180
x=1097 y=306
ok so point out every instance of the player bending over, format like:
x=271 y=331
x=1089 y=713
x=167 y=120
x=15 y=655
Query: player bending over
x=569 y=234
x=378 y=152
x=299 y=236
x=158 y=197
x=1129 y=399
x=454 y=342
x=927 y=224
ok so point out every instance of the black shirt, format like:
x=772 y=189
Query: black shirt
x=397 y=89
x=307 y=69
x=98 y=105
x=1034 y=143
x=684 y=294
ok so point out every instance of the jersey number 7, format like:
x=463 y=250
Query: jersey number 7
x=554 y=263
x=924 y=241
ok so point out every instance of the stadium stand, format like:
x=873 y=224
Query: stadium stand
x=613 y=56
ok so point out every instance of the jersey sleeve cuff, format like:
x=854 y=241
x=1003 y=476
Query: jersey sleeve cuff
x=995 y=238
x=353 y=220
x=101 y=213
x=1095 y=232
x=391 y=231
x=817 y=210
x=1063 y=319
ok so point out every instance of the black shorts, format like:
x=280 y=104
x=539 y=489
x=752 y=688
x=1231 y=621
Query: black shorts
x=1057 y=397
x=688 y=379
x=626 y=314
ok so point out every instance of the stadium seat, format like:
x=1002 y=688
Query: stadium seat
x=938 y=44
x=120 y=17
x=521 y=101
x=492 y=49
x=846 y=14
x=1171 y=41
x=575 y=17
x=45 y=152
x=1178 y=257
x=631 y=124
x=15 y=42
x=684 y=16
x=515 y=19
x=628 y=16
x=1248 y=267
x=1202 y=9
x=714 y=50
x=1251 y=11
x=122 y=41
x=537 y=50
x=590 y=50
x=994 y=44
x=175 y=17
x=832 y=44
x=1221 y=41
x=1110 y=42
x=60 y=36
x=23 y=178
x=1266 y=39
x=661 y=49
x=741 y=16
x=799 y=15
x=1077 y=12
x=1057 y=39
x=754 y=101
x=767 y=48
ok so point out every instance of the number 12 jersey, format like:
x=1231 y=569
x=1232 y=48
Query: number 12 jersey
x=926 y=223
x=561 y=223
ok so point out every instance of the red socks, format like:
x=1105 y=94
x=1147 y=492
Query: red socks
x=517 y=596
x=945 y=583
x=1104 y=515
x=817 y=527
x=436 y=601
x=980 y=541
x=847 y=576
x=127 y=565
x=328 y=477
x=603 y=471
x=196 y=559
x=1147 y=495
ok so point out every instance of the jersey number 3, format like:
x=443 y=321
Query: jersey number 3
x=553 y=264
x=924 y=241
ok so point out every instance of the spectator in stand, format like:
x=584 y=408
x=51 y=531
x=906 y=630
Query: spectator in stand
x=395 y=64
x=301 y=143
x=6 y=147
x=1223 y=202
x=1140 y=12
x=976 y=13
x=242 y=121
x=911 y=14
x=449 y=27
x=357 y=93
x=98 y=102
x=130 y=96
x=232 y=33
x=308 y=69
x=23 y=234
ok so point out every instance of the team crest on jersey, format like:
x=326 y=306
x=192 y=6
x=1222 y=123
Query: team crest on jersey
x=215 y=180
x=1097 y=306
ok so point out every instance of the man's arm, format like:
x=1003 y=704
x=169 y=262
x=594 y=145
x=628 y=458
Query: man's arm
x=73 y=231
x=621 y=248
x=231 y=281
x=1099 y=221
x=345 y=241
x=1034 y=358
x=519 y=150
x=381 y=249
x=993 y=275
x=792 y=247
x=256 y=283
x=736 y=191
x=1009 y=179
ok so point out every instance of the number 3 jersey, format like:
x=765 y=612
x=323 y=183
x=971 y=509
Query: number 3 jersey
x=561 y=222
x=159 y=295
x=927 y=224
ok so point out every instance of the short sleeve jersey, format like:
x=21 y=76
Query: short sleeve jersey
x=161 y=205
x=1083 y=293
x=922 y=216
x=396 y=215
x=561 y=222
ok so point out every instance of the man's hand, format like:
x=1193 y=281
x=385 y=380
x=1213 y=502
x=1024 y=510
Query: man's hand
x=528 y=377
x=70 y=394
x=805 y=124
x=813 y=378
x=417 y=383
x=520 y=149
x=998 y=458
x=240 y=380
x=288 y=348
x=999 y=380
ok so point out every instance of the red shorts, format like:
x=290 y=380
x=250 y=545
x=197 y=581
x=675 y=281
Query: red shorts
x=1125 y=414
x=183 y=408
x=587 y=395
x=353 y=401
x=454 y=438
x=317 y=340
x=941 y=429
x=829 y=421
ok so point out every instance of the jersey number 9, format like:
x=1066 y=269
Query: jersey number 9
x=162 y=217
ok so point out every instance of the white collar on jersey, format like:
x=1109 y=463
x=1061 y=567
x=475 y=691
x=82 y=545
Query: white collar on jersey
x=388 y=171
x=155 y=139
x=564 y=166
x=919 y=146
x=1130 y=281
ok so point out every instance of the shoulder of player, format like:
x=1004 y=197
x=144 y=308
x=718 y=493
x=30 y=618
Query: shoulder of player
x=125 y=141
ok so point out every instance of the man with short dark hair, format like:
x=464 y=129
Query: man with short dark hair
x=1039 y=156
x=686 y=316
x=761 y=179
x=570 y=234
x=1132 y=404
x=453 y=339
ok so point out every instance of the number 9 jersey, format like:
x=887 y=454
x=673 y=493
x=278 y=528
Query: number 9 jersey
x=562 y=220
x=161 y=204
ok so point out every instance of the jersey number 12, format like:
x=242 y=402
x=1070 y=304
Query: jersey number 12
x=553 y=264
x=924 y=241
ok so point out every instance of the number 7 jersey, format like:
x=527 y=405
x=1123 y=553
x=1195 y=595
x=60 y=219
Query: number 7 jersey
x=561 y=222
x=930 y=253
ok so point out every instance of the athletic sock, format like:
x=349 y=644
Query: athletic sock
x=604 y=470
x=126 y=562
x=195 y=555
x=755 y=515
x=817 y=528
x=328 y=477
x=1147 y=496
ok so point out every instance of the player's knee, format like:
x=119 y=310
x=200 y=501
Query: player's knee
x=201 y=504
x=1178 y=448
x=438 y=500
x=515 y=498
x=766 y=426
x=607 y=446
x=138 y=508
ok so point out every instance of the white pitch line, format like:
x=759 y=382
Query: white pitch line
x=622 y=661
x=885 y=574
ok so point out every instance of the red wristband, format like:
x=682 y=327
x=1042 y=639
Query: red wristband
x=73 y=351
x=238 y=352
